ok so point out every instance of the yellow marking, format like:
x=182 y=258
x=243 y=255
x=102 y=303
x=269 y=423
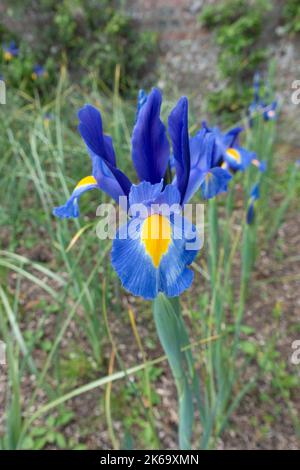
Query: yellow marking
x=156 y=236
x=86 y=180
x=233 y=153
x=208 y=177
x=34 y=76
x=224 y=165
x=7 y=56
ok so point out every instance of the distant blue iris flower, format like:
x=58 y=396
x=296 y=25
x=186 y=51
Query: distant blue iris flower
x=228 y=153
x=10 y=50
x=261 y=105
x=146 y=264
x=254 y=196
x=38 y=72
x=269 y=111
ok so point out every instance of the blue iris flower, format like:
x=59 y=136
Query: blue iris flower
x=261 y=105
x=205 y=171
x=10 y=50
x=269 y=111
x=146 y=262
x=38 y=72
x=228 y=153
x=254 y=196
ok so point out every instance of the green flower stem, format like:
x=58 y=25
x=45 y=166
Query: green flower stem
x=173 y=337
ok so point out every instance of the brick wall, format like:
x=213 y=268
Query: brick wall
x=187 y=54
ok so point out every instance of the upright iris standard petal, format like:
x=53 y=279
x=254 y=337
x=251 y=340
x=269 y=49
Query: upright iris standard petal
x=178 y=130
x=71 y=208
x=90 y=128
x=150 y=146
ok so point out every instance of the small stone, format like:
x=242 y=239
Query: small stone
x=196 y=6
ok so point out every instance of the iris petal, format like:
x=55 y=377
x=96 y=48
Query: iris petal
x=195 y=181
x=143 y=273
x=133 y=266
x=71 y=208
x=238 y=158
x=150 y=146
x=215 y=182
x=105 y=178
x=144 y=192
x=178 y=130
x=90 y=128
x=198 y=149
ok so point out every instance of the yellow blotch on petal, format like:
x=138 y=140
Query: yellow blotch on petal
x=7 y=56
x=156 y=236
x=233 y=153
x=86 y=180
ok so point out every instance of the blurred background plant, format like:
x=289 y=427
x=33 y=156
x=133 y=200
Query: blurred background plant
x=238 y=27
x=240 y=30
x=291 y=16
x=86 y=36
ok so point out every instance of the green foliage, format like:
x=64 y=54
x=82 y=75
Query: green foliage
x=18 y=72
x=51 y=433
x=238 y=25
x=91 y=36
x=291 y=15
x=222 y=12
